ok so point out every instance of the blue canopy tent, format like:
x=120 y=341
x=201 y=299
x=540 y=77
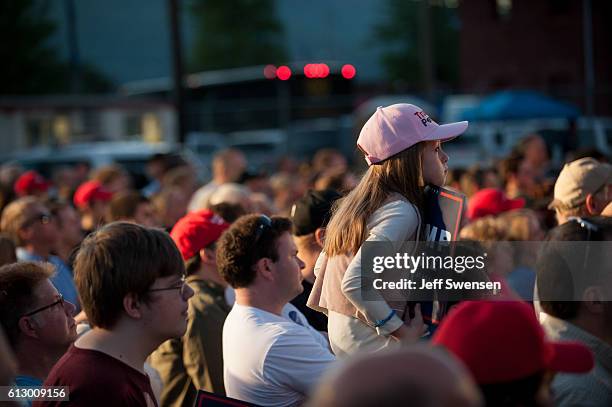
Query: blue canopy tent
x=520 y=104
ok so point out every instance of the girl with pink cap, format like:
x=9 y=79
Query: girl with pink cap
x=403 y=148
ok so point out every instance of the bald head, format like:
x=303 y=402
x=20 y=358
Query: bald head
x=420 y=375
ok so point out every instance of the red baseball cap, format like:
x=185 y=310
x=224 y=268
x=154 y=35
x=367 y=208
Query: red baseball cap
x=503 y=341
x=491 y=201
x=90 y=191
x=197 y=230
x=30 y=182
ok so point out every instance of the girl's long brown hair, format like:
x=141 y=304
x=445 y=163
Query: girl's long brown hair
x=401 y=173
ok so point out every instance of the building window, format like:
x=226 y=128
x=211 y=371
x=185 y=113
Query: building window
x=39 y=131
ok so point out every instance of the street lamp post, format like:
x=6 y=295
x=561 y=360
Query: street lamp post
x=178 y=94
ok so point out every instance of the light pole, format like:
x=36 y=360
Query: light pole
x=178 y=92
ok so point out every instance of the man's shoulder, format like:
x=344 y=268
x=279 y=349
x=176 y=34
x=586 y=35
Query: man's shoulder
x=76 y=361
x=583 y=389
x=95 y=378
x=259 y=326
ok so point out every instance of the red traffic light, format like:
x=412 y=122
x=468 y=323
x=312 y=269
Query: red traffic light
x=316 y=70
x=348 y=71
x=283 y=73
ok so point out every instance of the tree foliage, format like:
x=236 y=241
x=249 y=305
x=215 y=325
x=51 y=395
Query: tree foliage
x=400 y=36
x=236 y=33
x=29 y=64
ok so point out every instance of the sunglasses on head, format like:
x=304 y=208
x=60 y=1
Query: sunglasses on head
x=263 y=223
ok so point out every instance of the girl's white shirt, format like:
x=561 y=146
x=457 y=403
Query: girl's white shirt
x=397 y=221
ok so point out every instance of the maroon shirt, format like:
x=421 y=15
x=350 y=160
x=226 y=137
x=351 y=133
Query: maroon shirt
x=97 y=379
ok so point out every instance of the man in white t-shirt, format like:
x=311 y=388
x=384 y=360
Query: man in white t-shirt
x=271 y=355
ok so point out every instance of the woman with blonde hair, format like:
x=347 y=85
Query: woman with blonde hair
x=402 y=146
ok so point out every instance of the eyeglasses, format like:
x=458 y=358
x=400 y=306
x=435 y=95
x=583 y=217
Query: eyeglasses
x=181 y=287
x=263 y=223
x=43 y=218
x=60 y=300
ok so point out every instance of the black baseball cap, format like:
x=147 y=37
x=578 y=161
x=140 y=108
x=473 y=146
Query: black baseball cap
x=312 y=211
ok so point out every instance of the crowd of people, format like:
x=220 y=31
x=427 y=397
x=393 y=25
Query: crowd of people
x=249 y=287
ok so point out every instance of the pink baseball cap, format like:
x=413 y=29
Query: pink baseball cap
x=394 y=128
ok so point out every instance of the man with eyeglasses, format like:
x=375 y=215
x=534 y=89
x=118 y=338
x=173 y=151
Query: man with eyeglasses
x=583 y=188
x=37 y=320
x=32 y=227
x=271 y=355
x=131 y=281
x=195 y=361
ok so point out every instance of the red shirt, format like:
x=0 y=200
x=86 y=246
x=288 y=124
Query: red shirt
x=97 y=379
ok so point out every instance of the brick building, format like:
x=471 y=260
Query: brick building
x=537 y=44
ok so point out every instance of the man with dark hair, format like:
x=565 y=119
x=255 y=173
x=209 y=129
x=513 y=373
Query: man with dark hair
x=131 y=206
x=195 y=361
x=271 y=355
x=37 y=320
x=310 y=215
x=575 y=289
x=33 y=229
x=131 y=281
